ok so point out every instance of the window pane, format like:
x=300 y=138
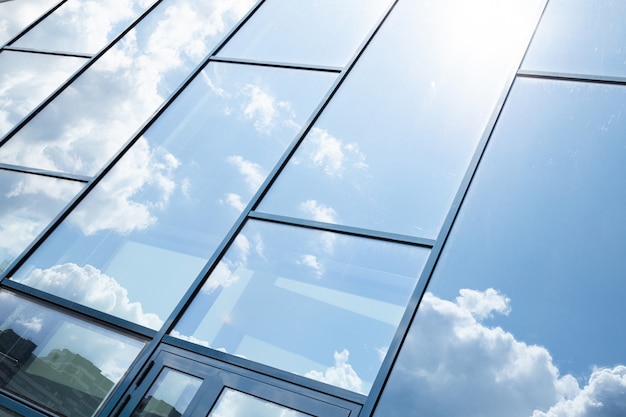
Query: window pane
x=58 y=361
x=7 y=413
x=525 y=309
x=88 y=123
x=322 y=32
x=29 y=203
x=233 y=403
x=169 y=202
x=26 y=79
x=169 y=396
x=390 y=155
x=314 y=303
x=580 y=37
x=16 y=15
x=82 y=26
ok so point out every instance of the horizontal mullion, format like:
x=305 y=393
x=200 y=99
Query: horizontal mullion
x=45 y=173
x=564 y=76
x=277 y=64
x=346 y=230
x=42 y=52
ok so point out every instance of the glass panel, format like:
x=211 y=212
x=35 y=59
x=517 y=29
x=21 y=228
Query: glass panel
x=89 y=122
x=29 y=203
x=523 y=315
x=16 y=15
x=82 y=26
x=580 y=37
x=26 y=79
x=429 y=106
x=162 y=211
x=169 y=396
x=313 y=303
x=4 y=412
x=57 y=361
x=237 y=404
x=323 y=32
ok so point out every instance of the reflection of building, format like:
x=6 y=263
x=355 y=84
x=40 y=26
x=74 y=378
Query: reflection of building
x=354 y=169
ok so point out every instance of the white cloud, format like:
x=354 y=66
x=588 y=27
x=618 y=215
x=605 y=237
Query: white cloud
x=341 y=374
x=452 y=364
x=234 y=403
x=33 y=324
x=603 y=396
x=251 y=171
x=225 y=272
x=89 y=286
x=319 y=212
x=191 y=339
x=113 y=204
x=332 y=154
x=235 y=201
x=261 y=108
x=312 y=262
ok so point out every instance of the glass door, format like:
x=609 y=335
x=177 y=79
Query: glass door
x=181 y=386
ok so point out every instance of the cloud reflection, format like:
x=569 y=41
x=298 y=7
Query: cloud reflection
x=455 y=364
x=341 y=374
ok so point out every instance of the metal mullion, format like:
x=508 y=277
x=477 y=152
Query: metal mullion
x=564 y=76
x=273 y=64
x=34 y=23
x=44 y=173
x=43 y=52
x=344 y=230
x=412 y=308
x=76 y=75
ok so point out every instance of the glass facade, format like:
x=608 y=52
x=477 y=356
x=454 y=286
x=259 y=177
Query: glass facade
x=327 y=208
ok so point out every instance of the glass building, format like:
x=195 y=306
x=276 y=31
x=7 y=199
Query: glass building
x=278 y=208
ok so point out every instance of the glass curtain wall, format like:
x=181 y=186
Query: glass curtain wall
x=353 y=208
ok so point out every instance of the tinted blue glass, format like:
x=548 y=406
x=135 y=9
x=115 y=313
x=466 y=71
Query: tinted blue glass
x=169 y=202
x=15 y=16
x=28 y=203
x=580 y=37
x=26 y=79
x=390 y=150
x=57 y=361
x=88 y=122
x=320 y=32
x=314 y=303
x=83 y=26
x=523 y=315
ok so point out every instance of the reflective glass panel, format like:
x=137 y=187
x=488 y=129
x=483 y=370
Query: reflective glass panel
x=233 y=403
x=580 y=37
x=28 y=204
x=314 y=303
x=323 y=32
x=169 y=396
x=87 y=124
x=83 y=26
x=16 y=15
x=7 y=413
x=390 y=154
x=57 y=361
x=26 y=79
x=164 y=208
x=524 y=314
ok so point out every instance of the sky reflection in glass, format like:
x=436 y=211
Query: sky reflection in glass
x=16 y=15
x=58 y=361
x=580 y=37
x=87 y=124
x=233 y=403
x=390 y=150
x=321 y=32
x=314 y=303
x=524 y=314
x=82 y=26
x=160 y=213
x=26 y=79
x=28 y=205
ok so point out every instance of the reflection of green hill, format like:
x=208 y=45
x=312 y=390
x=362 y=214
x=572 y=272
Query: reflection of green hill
x=155 y=407
x=72 y=370
x=63 y=381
